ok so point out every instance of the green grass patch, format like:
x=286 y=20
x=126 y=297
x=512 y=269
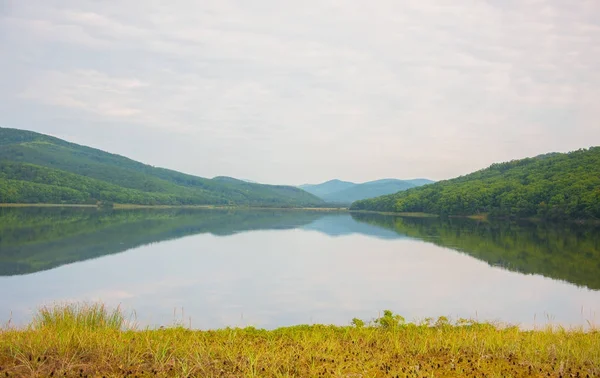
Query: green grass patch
x=78 y=316
x=90 y=340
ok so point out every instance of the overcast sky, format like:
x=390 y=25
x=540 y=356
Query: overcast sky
x=305 y=91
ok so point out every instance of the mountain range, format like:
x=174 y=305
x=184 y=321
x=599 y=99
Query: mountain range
x=337 y=191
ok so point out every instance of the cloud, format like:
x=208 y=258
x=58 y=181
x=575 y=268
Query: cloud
x=321 y=89
x=89 y=90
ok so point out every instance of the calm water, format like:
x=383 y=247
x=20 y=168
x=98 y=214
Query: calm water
x=275 y=268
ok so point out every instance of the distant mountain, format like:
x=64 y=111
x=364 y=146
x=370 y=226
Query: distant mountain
x=551 y=186
x=328 y=187
x=37 y=168
x=337 y=191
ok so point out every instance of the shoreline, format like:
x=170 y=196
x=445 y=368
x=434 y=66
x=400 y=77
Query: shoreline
x=407 y=215
x=135 y=207
x=123 y=206
x=475 y=217
x=218 y=207
x=47 y=205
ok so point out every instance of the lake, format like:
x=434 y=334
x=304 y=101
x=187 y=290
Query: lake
x=272 y=268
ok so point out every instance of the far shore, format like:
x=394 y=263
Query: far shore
x=45 y=205
x=124 y=206
x=119 y=206
x=408 y=215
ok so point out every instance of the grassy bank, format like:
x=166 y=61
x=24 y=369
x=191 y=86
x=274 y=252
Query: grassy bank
x=93 y=341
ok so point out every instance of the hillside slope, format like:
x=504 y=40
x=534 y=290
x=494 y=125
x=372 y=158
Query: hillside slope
x=547 y=186
x=337 y=191
x=38 y=168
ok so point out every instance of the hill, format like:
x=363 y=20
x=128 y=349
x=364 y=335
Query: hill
x=555 y=186
x=337 y=191
x=37 y=168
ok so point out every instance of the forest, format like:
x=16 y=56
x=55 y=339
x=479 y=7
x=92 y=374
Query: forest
x=37 y=168
x=552 y=186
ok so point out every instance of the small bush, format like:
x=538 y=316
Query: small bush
x=390 y=320
x=89 y=316
x=358 y=323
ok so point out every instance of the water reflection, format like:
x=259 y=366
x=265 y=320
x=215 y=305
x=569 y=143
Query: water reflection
x=294 y=267
x=36 y=239
x=569 y=252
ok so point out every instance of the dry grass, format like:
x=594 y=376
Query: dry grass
x=90 y=341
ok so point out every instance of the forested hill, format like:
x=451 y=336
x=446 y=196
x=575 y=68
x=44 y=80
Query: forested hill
x=37 y=168
x=547 y=186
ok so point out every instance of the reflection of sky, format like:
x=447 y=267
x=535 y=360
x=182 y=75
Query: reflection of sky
x=277 y=278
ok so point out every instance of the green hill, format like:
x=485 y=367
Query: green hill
x=37 y=168
x=337 y=191
x=556 y=186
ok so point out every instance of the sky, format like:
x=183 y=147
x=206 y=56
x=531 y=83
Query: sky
x=302 y=92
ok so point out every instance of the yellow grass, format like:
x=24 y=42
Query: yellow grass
x=91 y=341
